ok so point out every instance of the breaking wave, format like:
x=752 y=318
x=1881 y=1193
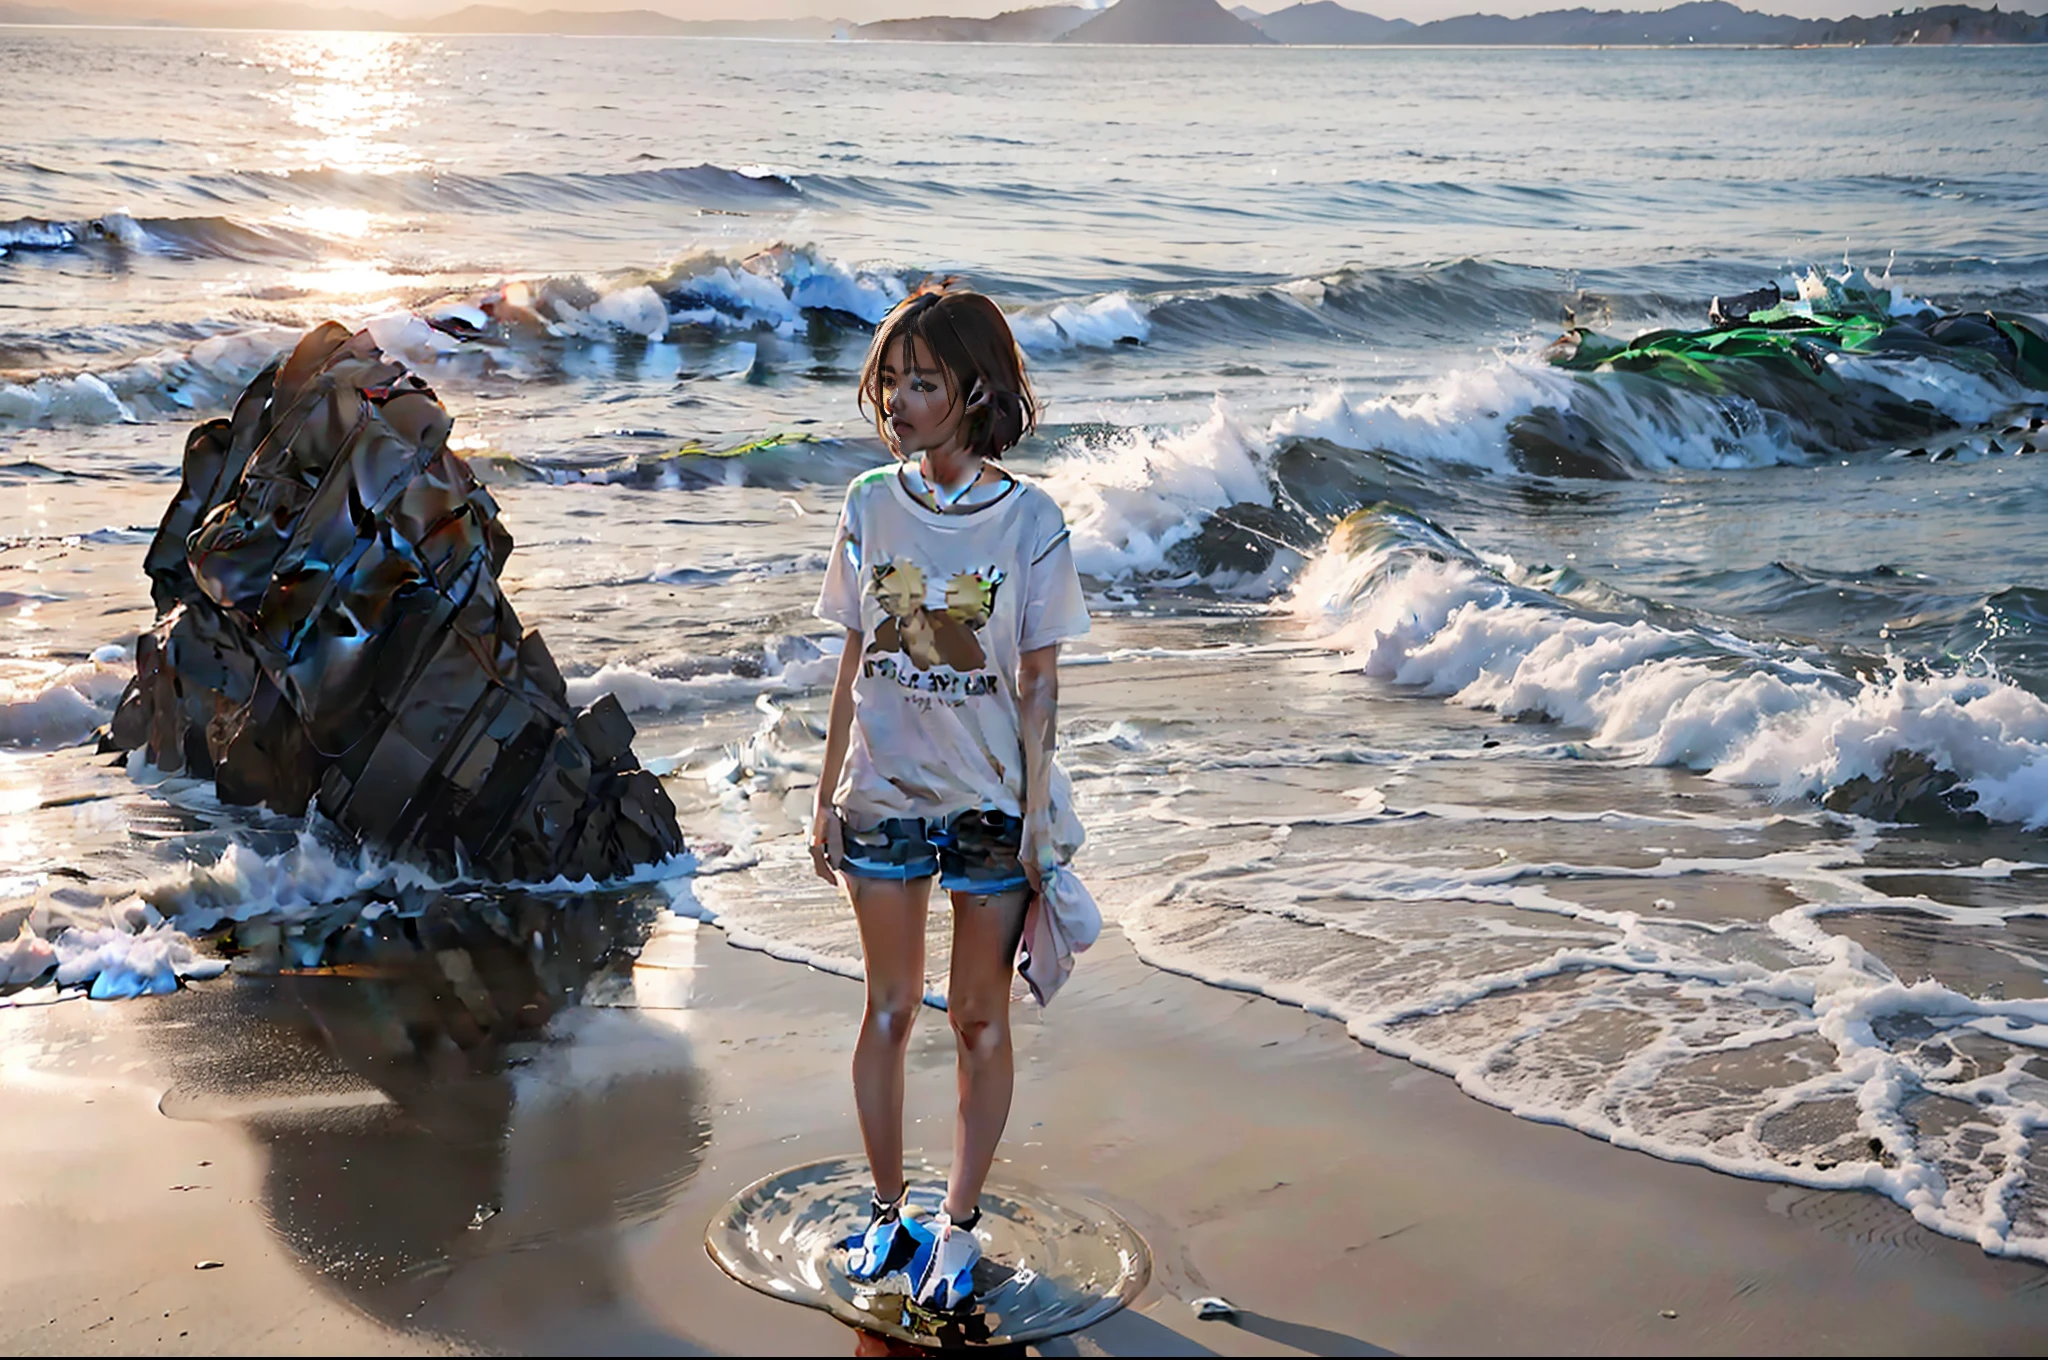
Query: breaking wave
x=510 y=328
x=219 y=238
x=1413 y=607
x=787 y=664
x=55 y=704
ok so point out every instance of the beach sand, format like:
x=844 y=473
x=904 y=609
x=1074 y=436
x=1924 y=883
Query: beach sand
x=1346 y=1202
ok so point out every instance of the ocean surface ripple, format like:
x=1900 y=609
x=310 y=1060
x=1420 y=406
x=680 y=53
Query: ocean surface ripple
x=1663 y=758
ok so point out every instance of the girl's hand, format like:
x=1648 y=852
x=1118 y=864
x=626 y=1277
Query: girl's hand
x=1036 y=854
x=828 y=844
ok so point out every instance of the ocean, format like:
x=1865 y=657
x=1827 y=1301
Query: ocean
x=1695 y=803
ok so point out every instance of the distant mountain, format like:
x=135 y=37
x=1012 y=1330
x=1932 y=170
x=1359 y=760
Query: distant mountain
x=1147 y=21
x=1941 y=25
x=787 y=29
x=1167 y=21
x=1325 y=22
x=930 y=28
x=1046 y=23
x=1703 y=21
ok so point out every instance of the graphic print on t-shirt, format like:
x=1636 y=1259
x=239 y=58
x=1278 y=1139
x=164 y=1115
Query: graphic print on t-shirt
x=944 y=655
x=940 y=632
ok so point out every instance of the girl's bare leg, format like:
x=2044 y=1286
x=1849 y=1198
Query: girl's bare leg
x=985 y=932
x=891 y=917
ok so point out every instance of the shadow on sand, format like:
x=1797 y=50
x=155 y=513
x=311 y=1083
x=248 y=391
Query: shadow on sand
x=455 y=1144
x=1135 y=1333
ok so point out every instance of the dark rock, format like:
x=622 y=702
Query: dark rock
x=1911 y=789
x=330 y=627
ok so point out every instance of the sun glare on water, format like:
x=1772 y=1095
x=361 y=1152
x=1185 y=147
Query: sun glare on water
x=352 y=94
x=351 y=98
x=20 y=794
x=348 y=224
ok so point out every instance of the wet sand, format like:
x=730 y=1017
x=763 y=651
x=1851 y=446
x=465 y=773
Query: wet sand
x=1346 y=1202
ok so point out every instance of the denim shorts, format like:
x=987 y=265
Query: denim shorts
x=973 y=851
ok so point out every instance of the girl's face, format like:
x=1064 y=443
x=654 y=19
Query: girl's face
x=917 y=396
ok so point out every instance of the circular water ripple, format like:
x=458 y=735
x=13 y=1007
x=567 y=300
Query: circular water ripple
x=1051 y=1265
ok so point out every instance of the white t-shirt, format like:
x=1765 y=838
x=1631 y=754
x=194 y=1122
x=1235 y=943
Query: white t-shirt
x=946 y=605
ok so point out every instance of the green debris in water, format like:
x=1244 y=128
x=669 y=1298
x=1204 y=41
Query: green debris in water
x=1830 y=315
x=695 y=449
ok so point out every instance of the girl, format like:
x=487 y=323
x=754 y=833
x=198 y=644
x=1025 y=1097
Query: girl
x=955 y=583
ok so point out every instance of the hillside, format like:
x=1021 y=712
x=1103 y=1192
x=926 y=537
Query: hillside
x=1704 y=21
x=1168 y=21
x=1716 y=21
x=1324 y=22
x=1045 y=23
x=1942 y=24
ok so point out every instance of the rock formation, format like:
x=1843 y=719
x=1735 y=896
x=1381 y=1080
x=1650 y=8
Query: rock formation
x=330 y=627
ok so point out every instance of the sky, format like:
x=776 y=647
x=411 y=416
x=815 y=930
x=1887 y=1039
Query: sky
x=1421 y=11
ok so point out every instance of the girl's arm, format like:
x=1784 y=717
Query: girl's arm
x=828 y=842
x=1038 y=703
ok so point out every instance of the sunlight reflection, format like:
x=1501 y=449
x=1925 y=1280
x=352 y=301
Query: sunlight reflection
x=359 y=279
x=21 y=792
x=349 y=223
x=351 y=92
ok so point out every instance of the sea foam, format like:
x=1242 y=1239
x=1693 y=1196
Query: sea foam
x=1112 y=319
x=1132 y=499
x=787 y=665
x=776 y=290
x=55 y=704
x=1784 y=1053
x=1738 y=712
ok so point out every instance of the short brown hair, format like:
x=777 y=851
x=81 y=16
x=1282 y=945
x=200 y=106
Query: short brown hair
x=966 y=334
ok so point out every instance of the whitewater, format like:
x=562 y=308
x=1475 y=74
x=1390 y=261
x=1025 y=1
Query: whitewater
x=1696 y=805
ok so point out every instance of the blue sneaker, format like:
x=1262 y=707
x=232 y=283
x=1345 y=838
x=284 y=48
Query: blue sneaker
x=942 y=1271
x=888 y=1246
